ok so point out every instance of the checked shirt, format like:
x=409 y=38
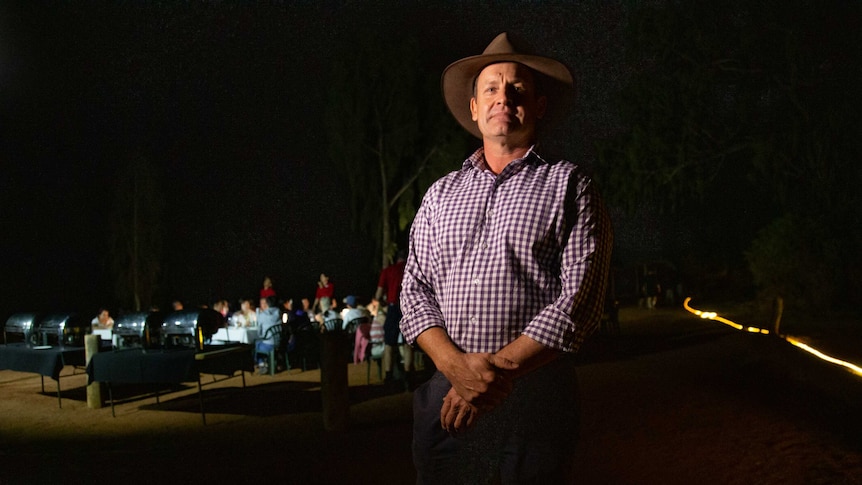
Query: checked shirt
x=496 y=256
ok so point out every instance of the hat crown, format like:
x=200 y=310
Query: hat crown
x=502 y=45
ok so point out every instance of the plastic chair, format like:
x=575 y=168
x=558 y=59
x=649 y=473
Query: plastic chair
x=374 y=349
x=358 y=330
x=276 y=332
x=352 y=325
x=334 y=325
x=308 y=345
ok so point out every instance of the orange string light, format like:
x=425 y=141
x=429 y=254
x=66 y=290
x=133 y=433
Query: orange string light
x=793 y=341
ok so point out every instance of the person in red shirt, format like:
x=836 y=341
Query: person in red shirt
x=389 y=285
x=267 y=289
x=324 y=289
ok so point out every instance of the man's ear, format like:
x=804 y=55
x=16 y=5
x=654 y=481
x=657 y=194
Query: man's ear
x=473 y=112
x=541 y=107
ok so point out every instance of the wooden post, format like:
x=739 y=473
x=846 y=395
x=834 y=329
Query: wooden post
x=94 y=390
x=333 y=382
x=777 y=312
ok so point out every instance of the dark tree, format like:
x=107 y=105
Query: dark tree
x=741 y=113
x=136 y=233
x=388 y=132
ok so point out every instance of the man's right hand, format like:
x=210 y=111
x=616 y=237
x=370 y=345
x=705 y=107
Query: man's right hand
x=482 y=379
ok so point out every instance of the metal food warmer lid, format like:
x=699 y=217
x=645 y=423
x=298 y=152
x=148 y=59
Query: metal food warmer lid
x=63 y=329
x=199 y=325
x=137 y=323
x=21 y=322
x=19 y=327
x=138 y=328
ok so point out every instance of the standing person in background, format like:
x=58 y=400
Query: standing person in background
x=267 y=289
x=389 y=286
x=325 y=289
x=506 y=277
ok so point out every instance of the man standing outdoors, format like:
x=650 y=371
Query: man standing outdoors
x=505 y=278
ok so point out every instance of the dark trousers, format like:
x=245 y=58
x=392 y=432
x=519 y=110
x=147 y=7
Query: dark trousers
x=529 y=438
x=391 y=330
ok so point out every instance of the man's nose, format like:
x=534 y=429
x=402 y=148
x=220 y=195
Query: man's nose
x=507 y=96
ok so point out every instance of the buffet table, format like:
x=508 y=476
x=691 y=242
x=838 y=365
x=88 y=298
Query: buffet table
x=45 y=360
x=245 y=335
x=140 y=366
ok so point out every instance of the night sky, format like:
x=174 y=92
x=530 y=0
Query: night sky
x=226 y=101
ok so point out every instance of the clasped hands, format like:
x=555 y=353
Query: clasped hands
x=479 y=383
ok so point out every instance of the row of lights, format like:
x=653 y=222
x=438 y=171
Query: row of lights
x=819 y=354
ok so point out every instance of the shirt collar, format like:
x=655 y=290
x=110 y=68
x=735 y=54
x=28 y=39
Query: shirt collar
x=477 y=161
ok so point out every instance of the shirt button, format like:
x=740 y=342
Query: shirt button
x=484 y=245
x=475 y=281
x=491 y=212
x=473 y=319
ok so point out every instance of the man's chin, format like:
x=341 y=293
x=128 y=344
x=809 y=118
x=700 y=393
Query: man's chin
x=508 y=132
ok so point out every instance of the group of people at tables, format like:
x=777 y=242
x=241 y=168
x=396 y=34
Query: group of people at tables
x=320 y=315
x=296 y=316
x=325 y=317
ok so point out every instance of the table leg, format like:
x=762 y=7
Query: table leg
x=201 y=399
x=59 y=399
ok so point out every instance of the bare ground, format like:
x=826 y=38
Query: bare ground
x=672 y=399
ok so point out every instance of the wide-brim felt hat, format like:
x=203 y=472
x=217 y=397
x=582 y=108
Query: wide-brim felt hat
x=457 y=79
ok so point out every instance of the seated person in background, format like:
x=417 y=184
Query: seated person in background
x=326 y=313
x=299 y=318
x=222 y=306
x=377 y=332
x=352 y=310
x=103 y=320
x=245 y=316
x=268 y=316
x=362 y=331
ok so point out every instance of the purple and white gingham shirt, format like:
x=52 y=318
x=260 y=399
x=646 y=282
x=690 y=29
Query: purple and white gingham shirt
x=496 y=256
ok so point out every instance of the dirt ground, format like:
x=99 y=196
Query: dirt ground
x=671 y=399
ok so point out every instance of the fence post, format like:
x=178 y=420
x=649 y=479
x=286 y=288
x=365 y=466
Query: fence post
x=333 y=381
x=94 y=389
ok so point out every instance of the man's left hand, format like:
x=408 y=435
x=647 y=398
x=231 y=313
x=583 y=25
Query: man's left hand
x=457 y=415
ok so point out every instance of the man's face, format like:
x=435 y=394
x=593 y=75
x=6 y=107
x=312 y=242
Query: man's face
x=506 y=104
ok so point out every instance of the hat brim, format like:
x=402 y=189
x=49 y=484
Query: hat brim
x=457 y=83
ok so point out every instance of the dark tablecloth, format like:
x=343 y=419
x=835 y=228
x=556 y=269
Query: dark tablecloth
x=47 y=362
x=165 y=367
